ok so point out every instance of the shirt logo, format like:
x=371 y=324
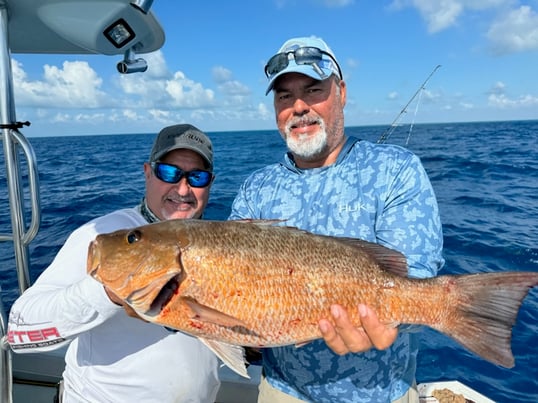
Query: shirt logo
x=351 y=207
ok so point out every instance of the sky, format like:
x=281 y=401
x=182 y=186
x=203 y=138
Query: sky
x=210 y=71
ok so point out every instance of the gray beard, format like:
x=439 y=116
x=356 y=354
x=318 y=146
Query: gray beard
x=308 y=147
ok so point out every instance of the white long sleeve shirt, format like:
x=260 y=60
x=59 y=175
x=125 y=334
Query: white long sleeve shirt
x=111 y=357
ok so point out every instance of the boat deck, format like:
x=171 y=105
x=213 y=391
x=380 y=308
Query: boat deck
x=38 y=385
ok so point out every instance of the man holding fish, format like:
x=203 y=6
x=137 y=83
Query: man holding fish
x=112 y=356
x=332 y=184
x=339 y=221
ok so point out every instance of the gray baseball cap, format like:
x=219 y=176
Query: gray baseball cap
x=182 y=136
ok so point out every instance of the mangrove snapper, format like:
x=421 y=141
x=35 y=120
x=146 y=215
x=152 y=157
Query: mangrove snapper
x=252 y=283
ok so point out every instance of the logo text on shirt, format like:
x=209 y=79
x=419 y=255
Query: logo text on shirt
x=351 y=207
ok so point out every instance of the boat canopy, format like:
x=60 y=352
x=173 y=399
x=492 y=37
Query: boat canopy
x=106 y=27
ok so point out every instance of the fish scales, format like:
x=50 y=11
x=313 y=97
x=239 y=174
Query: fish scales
x=300 y=277
x=258 y=284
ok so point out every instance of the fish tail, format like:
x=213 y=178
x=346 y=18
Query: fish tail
x=486 y=311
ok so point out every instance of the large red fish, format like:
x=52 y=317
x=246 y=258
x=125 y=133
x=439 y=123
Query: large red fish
x=237 y=283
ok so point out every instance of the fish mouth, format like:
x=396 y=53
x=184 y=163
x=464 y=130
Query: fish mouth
x=93 y=273
x=163 y=297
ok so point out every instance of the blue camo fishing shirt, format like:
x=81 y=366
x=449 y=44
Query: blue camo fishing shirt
x=376 y=192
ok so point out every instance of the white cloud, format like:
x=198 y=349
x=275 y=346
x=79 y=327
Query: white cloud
x=264 y=112
x=61 y=117
x=74 y=85
x=77 y=85
x=517 y=31
x=156 y=65
x=226 y=83
x=88 y=119
x=131 y=114
x=498 y=98
x=158 y=96
x=159 y=115
x=221 y=74
x=186 y=93
x=466 y=105
x=513 y=30
x=498 y=88
x=429 y=96
x=138 y=84
x=158 y=87
x=440 y=15
x=502 y=101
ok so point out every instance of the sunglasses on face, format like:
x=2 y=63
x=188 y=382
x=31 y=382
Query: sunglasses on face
x=308 y=55
x=197 y=178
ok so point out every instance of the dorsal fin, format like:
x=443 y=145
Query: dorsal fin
x=258 y=221
x=389 y=259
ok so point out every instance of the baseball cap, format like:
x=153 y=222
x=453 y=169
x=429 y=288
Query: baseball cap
x=182 y=136
x=328 y=63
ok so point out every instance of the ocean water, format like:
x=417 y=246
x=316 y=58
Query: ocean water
x=485 y=176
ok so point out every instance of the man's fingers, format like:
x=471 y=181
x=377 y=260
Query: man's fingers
x=379 y=334
x=343 y=337
x=353 y=335
x=333 y=340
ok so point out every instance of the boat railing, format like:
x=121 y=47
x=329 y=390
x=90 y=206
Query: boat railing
x=21 y=235
x=14 y=141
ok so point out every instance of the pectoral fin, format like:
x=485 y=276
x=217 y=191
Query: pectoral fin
x=205 y=313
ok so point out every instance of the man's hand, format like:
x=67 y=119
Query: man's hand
x=345 y=338
x=118 y=301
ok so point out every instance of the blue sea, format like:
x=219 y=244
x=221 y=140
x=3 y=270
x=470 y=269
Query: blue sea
x=485 y=176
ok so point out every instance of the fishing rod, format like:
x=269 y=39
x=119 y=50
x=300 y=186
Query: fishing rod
x=386 y=134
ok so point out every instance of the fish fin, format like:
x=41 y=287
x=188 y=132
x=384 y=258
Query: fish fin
x=205 y=313
x=389 y=259
x=259 y=222
x=486 y=311
x=232 y=356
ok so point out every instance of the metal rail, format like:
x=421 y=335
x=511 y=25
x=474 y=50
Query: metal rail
x=21 y=235
x=13 y=142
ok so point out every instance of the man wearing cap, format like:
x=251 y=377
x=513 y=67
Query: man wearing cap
x=333 y=184
x=111 y=355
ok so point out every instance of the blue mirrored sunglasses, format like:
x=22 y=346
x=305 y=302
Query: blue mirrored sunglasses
x=306 y=55
x=168 y=173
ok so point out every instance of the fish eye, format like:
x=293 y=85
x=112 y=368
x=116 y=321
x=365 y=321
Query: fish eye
x=134 y=236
